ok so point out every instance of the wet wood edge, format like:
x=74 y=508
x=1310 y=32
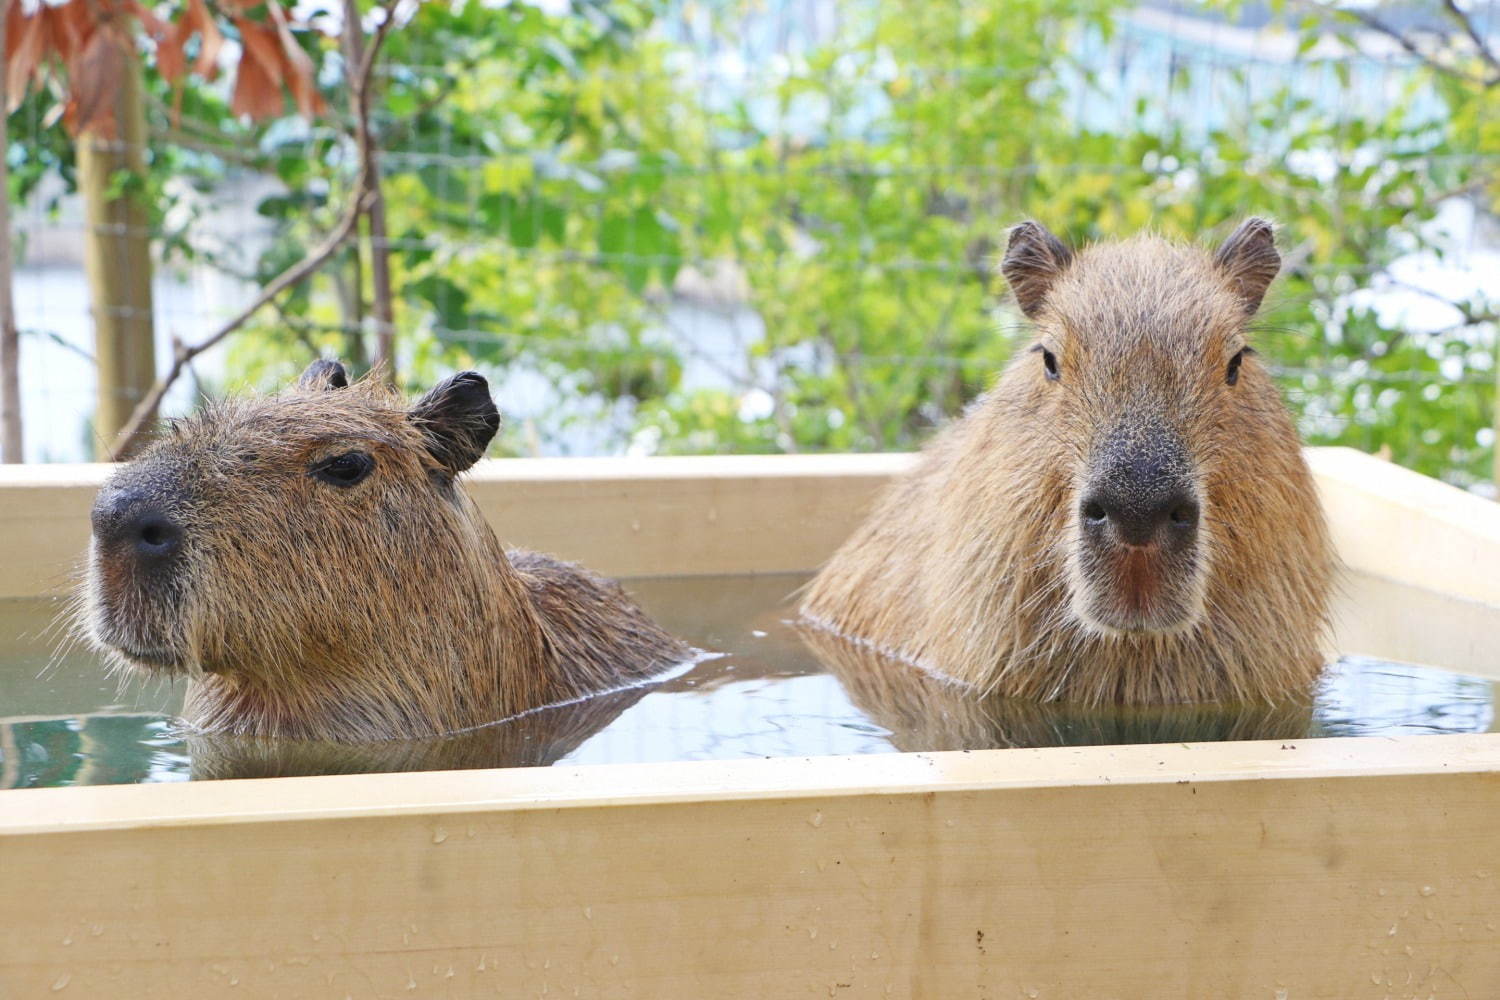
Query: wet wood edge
x=51 y=810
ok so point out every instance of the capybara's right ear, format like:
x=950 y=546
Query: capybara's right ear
x=459 y=418
x=323 y=374
x=1033 y=260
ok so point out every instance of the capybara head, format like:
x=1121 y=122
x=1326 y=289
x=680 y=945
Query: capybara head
x=319 y=526
x=1142 y=386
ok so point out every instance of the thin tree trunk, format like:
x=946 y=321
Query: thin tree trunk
x=350 y=291
x=117 y=257
x=10 y=345
x=347 y=229
x=381 y=305
x=380 y=278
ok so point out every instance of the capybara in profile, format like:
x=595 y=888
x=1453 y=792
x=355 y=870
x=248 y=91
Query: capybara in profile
x=311 y=561
x=1125 y=517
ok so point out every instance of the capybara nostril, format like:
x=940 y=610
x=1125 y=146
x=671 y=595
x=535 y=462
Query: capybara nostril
x=130 y=523
x=155 y=536
x=1140 y=519
x=109 y=512
x=1184 y=515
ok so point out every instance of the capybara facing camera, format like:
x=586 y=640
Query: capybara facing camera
x=311 y=561
x=1126 y=516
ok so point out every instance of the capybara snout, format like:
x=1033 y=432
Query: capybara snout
x=1143 y=492
x=1137 y=564
x=138 y=568
x=137 y=527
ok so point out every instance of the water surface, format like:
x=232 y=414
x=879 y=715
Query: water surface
x=776 y=692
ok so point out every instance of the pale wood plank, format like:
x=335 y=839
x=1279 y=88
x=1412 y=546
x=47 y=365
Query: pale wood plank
x=1338 y=869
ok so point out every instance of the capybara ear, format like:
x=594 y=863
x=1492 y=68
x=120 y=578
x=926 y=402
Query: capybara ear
x=459 y=418
x=1033 y=260
x=1250 y=261
x=323 y=374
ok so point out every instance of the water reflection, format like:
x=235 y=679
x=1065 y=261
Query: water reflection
x=536 y=739
x=99 y=749
x=925 y=712
x=1361 y=696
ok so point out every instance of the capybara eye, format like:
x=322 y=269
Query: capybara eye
x=344 y=470
x=1049 y=362
x=1232 y=373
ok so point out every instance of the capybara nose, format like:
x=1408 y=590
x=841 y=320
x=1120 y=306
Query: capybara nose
x=128 y=523
x=1142 y=518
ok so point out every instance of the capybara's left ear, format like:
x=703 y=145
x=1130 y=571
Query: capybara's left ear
x=323 y=374
x=459 y=418
x=1250 y=261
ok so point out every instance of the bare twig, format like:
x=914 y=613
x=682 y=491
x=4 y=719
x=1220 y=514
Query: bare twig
x=1471 y=316
x=1467 y=22
x=1377 y=24
x=182 y=354
x=236 y=155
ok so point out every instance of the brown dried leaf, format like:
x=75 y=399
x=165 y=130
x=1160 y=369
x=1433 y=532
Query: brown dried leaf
x=207 y=64
x=171 y=60
x=94 y=78
x=69 y=28
x=261 y=45
x=13 y=26
x=300 y=74
x=171 y=49
x=257 y=85
x=23 y=51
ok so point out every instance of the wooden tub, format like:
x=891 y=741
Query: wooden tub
x=1332 y=868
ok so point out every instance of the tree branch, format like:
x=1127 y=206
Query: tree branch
x=1467 y=22
x=145 y=411
x=1401 y=38
x=1472 y=316
x=380 y=256
x=183 y=354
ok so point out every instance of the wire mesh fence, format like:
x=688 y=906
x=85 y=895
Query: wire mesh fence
x=730 y=226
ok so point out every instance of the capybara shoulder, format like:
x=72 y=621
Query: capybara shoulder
x=587 y=619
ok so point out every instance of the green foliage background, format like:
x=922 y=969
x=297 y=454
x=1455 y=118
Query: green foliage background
x=552 y=177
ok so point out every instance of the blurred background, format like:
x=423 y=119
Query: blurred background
x=697 y=227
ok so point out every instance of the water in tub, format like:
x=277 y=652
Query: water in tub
x=776 y=691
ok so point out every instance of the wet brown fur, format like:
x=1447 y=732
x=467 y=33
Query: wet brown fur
x=968 y=566
x=384 y=610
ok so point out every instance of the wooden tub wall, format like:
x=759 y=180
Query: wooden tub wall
x=1316 y=868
